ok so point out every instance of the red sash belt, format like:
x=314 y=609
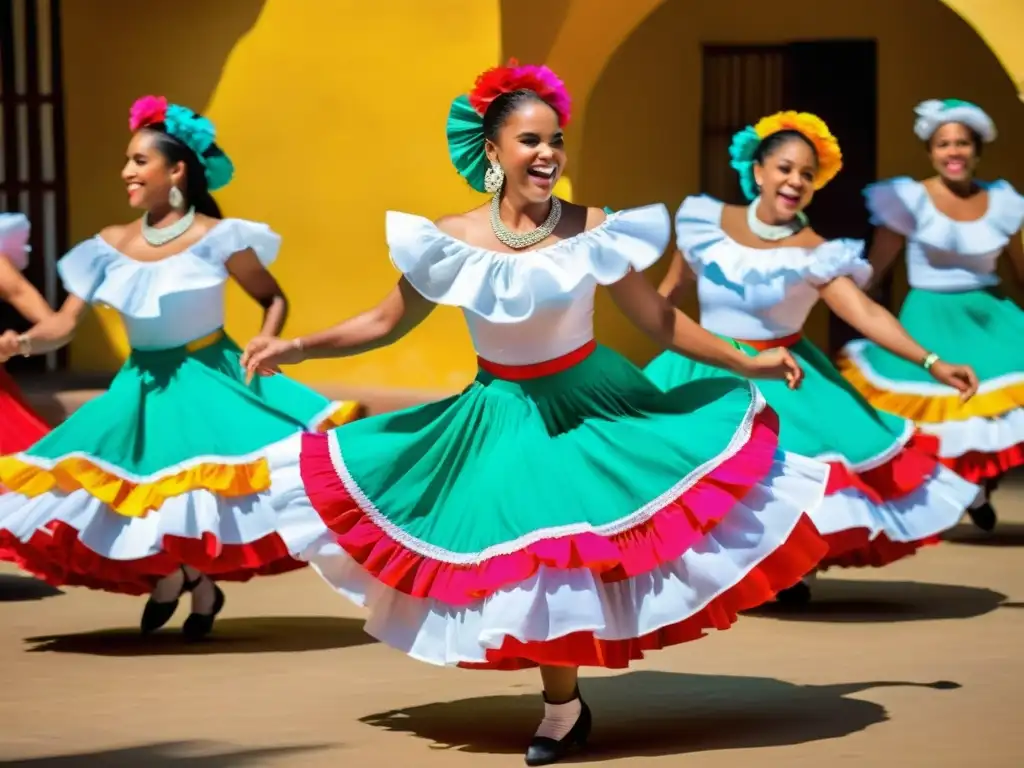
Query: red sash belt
x=762 y=344
x=537 y=370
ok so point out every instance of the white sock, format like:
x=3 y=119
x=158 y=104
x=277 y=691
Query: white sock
x=559 y=719
x=168 y=588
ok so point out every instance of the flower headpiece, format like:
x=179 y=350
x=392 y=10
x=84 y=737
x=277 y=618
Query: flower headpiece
x=934 y=113
x=465 y=128
x=194 y=131
x=745 y=143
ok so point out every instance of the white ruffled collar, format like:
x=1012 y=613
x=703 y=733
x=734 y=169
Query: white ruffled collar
x=711 y=252
x=904 y=205
x=14 y=232
x=507 y=287
x=97 y=272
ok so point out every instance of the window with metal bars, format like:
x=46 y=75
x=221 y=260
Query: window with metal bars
x=32 y=163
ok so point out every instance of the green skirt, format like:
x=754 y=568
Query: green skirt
x=887 y=495
x=983 y=437
x=168 y=466
x=576 y=517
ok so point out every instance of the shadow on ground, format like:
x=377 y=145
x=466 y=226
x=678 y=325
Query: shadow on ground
x=195 y=754
x=1005 y=535
x=20 y=588
x=851 y=600
x=658 y=713
x=279 y=634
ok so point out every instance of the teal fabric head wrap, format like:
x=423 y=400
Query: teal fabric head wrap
x=465 y=132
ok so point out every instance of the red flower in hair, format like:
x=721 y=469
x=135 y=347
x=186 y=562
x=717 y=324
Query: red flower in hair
x=539 y=79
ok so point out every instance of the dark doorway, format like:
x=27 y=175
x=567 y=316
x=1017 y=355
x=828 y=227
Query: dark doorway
x=32 y=165
x=744 y=83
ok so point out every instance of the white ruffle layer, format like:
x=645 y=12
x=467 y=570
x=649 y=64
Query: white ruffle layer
x=555 y=603
x=931 y=509
x=700 y=238
x=507 y=287
x=98 y=273
x=192 y=515
x=978 y=434
x=903 y=205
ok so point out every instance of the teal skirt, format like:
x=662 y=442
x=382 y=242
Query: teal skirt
x=580 y=517
x=167 y=467
x=887 y=494
x=983 y=437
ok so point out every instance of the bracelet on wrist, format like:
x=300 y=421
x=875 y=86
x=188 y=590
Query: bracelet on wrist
x=930 y=359
x=24 y=345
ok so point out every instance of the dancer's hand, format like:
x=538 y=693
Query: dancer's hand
x=776 y=363
x=265 y=354
x=960 y=377
x=9 y=346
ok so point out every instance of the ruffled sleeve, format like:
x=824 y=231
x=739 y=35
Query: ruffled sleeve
x=83 y=269
x=698 y=229
x=1005 y=208
x=233 y=235
x=14 y=232
x=507 y=287
x=896 y=204
x=838 y=258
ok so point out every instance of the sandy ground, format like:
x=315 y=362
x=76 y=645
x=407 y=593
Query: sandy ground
x=919 y=664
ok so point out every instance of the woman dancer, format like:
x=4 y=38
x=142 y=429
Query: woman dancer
x=161 y=485
x=954 y=228
x=561 y=511
x=20 y=425
x=759 y=270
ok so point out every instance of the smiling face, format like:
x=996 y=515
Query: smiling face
x=786 y=176
x=147 y=174
x=530 y=148
x=953 y=150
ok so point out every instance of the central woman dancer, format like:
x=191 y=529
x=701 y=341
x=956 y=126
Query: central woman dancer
x=561 y=511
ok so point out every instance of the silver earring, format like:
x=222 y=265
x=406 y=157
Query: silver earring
x=176 y=199
x=494 y=178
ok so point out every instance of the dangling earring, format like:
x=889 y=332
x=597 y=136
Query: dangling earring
x=494 y=178
x=176 y=199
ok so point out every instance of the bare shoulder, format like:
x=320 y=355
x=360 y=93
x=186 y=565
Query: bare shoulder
x=204 y=223
x=808 y=238
x=118 y=234
x=594 y=217
x=462 y=225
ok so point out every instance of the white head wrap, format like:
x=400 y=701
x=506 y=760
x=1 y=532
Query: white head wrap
x=934 y=113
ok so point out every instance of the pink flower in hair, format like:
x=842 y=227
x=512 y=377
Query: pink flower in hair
x=146 y=111
x=539 y=79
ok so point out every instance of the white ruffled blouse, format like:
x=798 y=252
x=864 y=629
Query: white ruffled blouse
x=14 y=231
x=175 y=300
x=753 y=293
x=531 y=306
x=943 y=254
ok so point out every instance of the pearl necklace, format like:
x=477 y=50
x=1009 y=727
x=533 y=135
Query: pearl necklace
x=518 y=240
x=773 y=232
x=157 y=236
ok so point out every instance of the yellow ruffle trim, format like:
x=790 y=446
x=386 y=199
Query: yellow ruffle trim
x=929 y=409
x=137 y=499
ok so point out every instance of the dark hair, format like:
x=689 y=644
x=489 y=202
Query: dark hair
x=196 y=191
x=976 y=139
x=499 y=110
x=771 y=143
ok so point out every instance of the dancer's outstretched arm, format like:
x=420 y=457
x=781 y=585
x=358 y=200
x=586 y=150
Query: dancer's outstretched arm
x=401 y=310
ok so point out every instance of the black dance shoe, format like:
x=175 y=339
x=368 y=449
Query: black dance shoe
x=198 y=625
x=984 y=517
x=545 y=751
x=798 y=594
x=156 y=614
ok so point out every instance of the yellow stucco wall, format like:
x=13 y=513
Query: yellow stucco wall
x=331 y=120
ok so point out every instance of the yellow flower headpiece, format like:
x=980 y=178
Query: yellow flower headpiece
x=813 y=128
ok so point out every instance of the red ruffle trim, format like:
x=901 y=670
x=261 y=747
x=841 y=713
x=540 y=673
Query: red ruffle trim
x=903 y=474
x=976 y=466
x=854 y=549
x=669 y=533
x=781 y=569
x=59 y=558
x=20 y=426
